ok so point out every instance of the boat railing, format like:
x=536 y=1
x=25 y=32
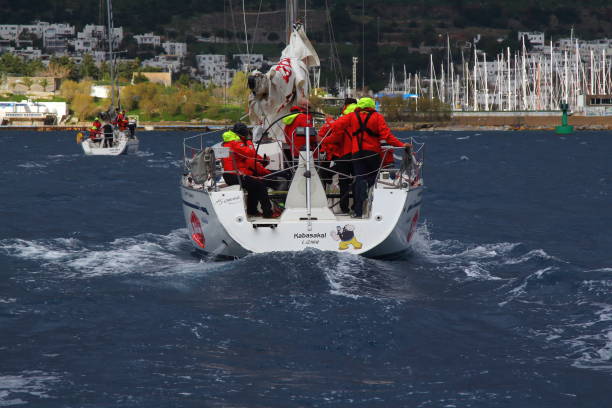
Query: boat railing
x=193 y=145
x=405 y=172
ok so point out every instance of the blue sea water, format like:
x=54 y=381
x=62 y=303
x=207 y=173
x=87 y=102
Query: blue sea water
x=503 y=300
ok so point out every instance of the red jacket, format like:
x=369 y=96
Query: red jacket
x=246 y=159
x=122 y=121
x=291 y=124
x=95 y=130
x=362 y=140
x=323 y=136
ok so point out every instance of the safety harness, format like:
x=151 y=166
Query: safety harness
x=363 y=129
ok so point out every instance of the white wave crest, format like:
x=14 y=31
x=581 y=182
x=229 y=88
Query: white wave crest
x=595 y=349
x=31 y=383
x=148 y=253
x=475 y=261
x=32 y=165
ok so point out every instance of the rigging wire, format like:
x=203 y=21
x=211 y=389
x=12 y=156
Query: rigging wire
x=334 y=54
x=235 y=32
x=362 y=45
x=246 y=34
x=256 y=26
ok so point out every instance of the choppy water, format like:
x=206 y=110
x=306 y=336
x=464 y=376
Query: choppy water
x=504 y=300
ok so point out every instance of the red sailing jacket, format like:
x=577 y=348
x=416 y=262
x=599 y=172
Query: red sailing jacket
x=245 y=157
x=323 y=136
x=369 y=139
x=122 y=121
x=301 y=120
x=96 y=127
x=338 y=142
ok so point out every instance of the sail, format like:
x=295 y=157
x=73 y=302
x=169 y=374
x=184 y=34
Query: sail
x=286 y=84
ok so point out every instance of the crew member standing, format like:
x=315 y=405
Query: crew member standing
x=109 y=138
x=366 y=127
x=94 y=132
x=122 y=121
x=299 y=118
x=244 y=166
x=338 y=147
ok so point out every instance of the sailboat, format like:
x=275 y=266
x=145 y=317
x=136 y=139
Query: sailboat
x=123 y=140
x=215 y=213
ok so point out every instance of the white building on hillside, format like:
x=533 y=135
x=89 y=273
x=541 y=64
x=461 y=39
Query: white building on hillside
x=175 y=48
x=29 y=53
x=249 y=61
x=9 y=32
x=536 y=38
x=170 y=63
x=148 y=39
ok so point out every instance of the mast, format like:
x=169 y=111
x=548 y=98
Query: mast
x=486 y=82
x=111 y=56
x=291 y=16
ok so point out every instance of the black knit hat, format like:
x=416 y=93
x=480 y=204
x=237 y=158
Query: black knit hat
x=241 y=129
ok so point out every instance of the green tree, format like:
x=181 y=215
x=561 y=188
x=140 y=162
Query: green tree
x=44 y=83
x=12 y=64
x=238 y=90
x=28 y=82
x=88 y=68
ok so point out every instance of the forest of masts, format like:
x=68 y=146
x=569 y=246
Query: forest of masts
x=513 y=81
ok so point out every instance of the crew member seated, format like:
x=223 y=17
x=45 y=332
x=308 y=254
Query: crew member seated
x=298 y=119
x=245 y=167
x=94 y=131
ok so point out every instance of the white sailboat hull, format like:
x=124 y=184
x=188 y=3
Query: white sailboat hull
x=225 y=229
x=123 y=145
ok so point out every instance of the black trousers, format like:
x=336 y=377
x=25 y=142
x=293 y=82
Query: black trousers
x=365 y=166
x=108 y=141
x=343 y=165
x=257 y=193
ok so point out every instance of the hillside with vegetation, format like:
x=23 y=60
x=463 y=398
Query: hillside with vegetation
x=382 y=34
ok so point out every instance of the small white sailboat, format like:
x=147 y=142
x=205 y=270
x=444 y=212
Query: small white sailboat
x=215 y=212
x=117 y=138
x=122 y=143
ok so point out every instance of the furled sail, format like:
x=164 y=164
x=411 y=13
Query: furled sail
x=285 y=84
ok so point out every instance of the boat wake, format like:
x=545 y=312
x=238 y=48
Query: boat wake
x=507 y=278
x=71 y=258
x=531 y=282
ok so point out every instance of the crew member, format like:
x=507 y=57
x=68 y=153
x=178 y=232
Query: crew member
x=366 y=127
x=94 y=132
x=122 y=121
x=108 y=135
x=244 y=166
x=338 y=147
x=299 y=118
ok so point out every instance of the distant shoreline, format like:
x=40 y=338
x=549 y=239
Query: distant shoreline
x=471 y=123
